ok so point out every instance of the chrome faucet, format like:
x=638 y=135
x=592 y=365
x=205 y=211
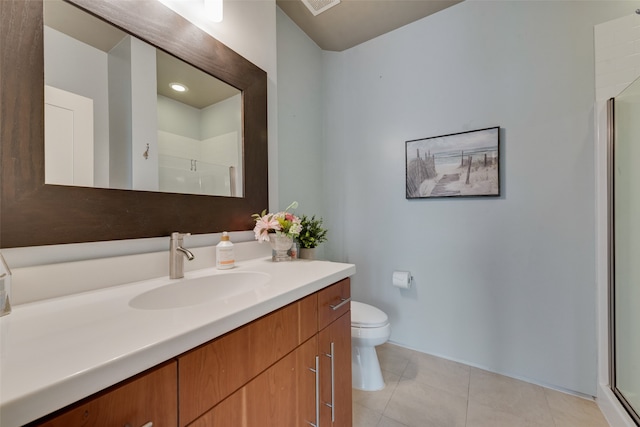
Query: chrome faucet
x=177 y=254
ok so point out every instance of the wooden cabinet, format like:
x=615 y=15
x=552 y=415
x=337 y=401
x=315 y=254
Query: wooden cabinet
x=301 y=374
x=150 y=397
x=291 y=367
x=213 y=371
x=334 y=349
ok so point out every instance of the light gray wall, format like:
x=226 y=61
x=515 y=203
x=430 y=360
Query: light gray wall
x=215 y=120
x=144 y=116
x=300 y=120
x=506 y=284
x=221 y=118
x=178 y=118
x=120 y=124
x=81 y=69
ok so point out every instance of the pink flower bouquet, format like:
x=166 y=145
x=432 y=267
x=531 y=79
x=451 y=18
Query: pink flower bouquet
x=281 y=223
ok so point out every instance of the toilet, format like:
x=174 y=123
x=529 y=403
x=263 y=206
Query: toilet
x=369 y=328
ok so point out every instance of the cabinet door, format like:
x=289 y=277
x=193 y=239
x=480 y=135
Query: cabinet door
x=212 y=372
x=149 y=397
x=282 y=396
x=334 y=349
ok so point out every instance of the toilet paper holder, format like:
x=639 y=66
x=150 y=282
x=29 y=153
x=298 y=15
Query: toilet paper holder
x=402 y=279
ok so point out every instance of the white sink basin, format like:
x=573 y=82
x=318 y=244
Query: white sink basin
x=200 y=290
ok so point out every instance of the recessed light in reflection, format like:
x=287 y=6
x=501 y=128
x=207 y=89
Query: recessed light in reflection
x=178 y=87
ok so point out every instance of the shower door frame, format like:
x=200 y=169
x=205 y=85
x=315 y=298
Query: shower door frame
x=611 y=254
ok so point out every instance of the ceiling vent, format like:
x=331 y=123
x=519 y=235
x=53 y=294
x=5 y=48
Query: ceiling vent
x=318 y=6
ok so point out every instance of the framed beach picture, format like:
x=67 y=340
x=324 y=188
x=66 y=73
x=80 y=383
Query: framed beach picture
x=455 y=165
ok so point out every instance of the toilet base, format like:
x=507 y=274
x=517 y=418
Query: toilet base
x=365 y=367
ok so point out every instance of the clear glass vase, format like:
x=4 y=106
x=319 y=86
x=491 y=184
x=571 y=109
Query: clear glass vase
x=281 y=245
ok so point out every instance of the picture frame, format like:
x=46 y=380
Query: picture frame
x=465 y=164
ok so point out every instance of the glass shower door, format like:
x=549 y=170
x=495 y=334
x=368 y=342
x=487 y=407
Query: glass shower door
x=625 y=247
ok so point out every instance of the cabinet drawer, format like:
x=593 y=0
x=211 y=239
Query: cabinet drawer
x=333 y=302
x=148 y=397
x=213 y=371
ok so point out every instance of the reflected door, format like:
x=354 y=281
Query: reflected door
x=68 y=150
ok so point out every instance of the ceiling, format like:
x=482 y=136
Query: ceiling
x=204 y=91
x=352 y=22
x=342 y=26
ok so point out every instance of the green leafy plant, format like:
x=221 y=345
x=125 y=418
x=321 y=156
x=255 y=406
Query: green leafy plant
x=312 y=232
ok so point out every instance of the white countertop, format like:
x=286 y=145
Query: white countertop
x=58 y=351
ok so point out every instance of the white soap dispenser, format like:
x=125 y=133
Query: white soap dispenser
x=225 y=257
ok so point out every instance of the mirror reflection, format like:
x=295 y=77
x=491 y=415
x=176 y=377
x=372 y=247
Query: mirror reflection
x=116 y=117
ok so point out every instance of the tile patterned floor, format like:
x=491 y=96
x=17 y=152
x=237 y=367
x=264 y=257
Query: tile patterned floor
x=426 y=391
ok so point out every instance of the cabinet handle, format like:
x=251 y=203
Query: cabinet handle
x=149 y=424
x=343 y=301
x=333 y=388
x=317 y=372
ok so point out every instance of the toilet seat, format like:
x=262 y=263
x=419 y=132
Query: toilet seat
x=367 y=316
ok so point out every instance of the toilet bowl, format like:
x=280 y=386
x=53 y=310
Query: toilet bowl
x=369 y=328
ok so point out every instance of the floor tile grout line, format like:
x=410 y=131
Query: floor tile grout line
x=466 y=415
x=546 y=400
x=389 y=401
x=400 y=378
x=391 y=396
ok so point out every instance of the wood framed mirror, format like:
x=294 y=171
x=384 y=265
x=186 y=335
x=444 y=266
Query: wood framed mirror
x=33 y=213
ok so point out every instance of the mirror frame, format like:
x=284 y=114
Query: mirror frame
x=33 y=213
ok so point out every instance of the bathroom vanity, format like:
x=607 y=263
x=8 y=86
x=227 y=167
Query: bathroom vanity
x=278 y=355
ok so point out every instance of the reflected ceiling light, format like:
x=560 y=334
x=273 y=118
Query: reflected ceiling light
x=213 y=10
x=178 y=87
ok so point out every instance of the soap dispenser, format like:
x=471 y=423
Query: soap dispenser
x=225 y=257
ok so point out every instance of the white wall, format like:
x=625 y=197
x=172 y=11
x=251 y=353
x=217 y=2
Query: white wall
x=506 y=284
